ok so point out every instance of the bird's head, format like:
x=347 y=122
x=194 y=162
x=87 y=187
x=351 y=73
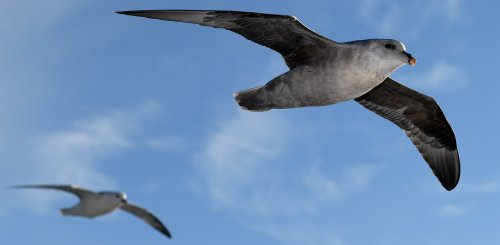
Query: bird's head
x=394 y=50
x=117 y=197
x=388 y=54
x=122 y=197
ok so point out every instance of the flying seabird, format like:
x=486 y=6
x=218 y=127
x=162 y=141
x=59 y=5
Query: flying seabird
x=324 y=72
x=93 y=204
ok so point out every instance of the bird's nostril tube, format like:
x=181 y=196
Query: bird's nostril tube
x=412 y=61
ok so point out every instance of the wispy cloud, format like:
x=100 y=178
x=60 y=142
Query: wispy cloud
x=243 y=170
x=485 y=187
x=74 y=156
x=479 y=189
x=409 y=17
x=168 y=143
x=22 y=26
x=452 y=210
x=236 y=154
x=22 y=22
x=471 y=197
x=382 y=15
x=442 y=77
x=303 y=233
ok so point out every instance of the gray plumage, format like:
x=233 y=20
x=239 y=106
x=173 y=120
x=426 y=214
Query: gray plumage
x=93 y=204
x=324 y=72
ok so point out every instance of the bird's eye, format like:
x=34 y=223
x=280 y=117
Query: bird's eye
x=390 y=46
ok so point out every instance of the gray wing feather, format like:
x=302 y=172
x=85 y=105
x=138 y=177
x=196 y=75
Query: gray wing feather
x=148 y=217
x=80 y=192
x=424 y=123
x=283 y=33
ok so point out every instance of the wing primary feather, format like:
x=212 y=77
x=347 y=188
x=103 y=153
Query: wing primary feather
x=423 y=121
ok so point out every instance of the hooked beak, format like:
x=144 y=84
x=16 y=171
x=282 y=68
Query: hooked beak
x=411 y=60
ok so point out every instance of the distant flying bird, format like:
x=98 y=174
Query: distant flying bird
x=324 y=72
x=93 y=204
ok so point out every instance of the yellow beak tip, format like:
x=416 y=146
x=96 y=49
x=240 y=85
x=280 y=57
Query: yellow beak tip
x=412 y=61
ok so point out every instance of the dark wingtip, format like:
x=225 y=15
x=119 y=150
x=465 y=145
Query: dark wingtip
x=450 y=184
x=19 y=186
x=453 y=182
x=450 y=187
x=139 y=13
x=125 y=12
x=163 y=230
x=152 y=14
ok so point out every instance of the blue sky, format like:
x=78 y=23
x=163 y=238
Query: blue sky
x=113 y=102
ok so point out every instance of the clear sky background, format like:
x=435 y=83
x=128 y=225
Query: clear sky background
x=113 y=102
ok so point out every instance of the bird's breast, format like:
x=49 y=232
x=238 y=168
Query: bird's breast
x=347 y=80
x=99 y=205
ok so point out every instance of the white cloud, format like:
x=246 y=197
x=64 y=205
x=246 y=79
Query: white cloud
x=304 y=233
x=73 y=156
x=168 y=143
x=235 y=156
x=244 y=169
x=382 y=15
x=442 y=77
x=409 y=17
x=452 y=9
x=23 y=20
x=452 y=210
x=324 y=190
x=471 y=198
x=23 y=73
x=486 y=187
x=22 y=25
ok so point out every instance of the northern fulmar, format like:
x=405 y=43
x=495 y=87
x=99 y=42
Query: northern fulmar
x=324 y=72
x=93 y=204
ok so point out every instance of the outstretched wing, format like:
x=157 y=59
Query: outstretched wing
x=148 y=217
x=282 y=33
x=423 y=121
x=80 y=192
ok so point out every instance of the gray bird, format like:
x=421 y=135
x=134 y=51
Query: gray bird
x=324 y=72
x=93 y=204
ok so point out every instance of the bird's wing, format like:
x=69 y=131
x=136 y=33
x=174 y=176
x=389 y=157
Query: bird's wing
x=80 y=192
x=283 y=33
x=423 y=121
x=148 y=217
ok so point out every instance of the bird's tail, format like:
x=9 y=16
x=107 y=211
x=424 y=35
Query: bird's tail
x=67 y=211
x=251 y=99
